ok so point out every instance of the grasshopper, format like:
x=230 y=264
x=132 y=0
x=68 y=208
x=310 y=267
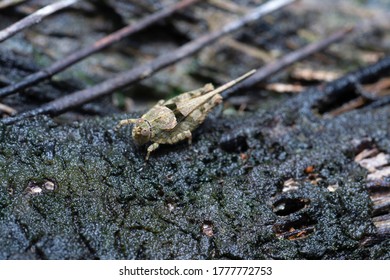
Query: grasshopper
x=173 y=120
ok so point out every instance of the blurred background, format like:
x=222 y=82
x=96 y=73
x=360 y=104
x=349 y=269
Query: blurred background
x=83 y=23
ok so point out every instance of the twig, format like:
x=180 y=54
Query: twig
x=7 y=3
x=274 y=67
x=280 y=87
x=75 y=57
x=308 y=74
x=349 y=106
x=139 y=73
x=248 y=49
x=7 y=109
x=34 y=18
x=229 y=6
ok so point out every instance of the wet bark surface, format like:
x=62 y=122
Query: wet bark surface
x=275 y=184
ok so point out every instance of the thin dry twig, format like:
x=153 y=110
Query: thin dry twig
x=34 y=18
x=349 y=106
x=274 y=67
x=248 y=49
x=368 y=93
x=282 y=88
x=308 y=74
x=103 y=43
x=139 y=73
x=377 y=90
x=7 y=3
x=229 y=6
x=7 y=109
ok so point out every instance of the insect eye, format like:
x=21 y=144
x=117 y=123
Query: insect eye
x=145 y=132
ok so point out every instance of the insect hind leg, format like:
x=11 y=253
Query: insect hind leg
x=186 y=134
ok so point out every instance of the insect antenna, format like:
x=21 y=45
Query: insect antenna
x=125 y=122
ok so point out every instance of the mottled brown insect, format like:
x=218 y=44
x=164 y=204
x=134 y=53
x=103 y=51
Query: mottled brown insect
x=171 y=121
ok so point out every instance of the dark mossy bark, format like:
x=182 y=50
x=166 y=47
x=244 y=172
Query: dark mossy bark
x=83 y=191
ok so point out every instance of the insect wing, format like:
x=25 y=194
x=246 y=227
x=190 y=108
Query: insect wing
x=186 y=107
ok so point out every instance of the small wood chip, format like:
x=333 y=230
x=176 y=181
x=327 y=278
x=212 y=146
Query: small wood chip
x=349 y=106
x=365 y=154
x=7 y=109
x=308 y=74
x=282 y=88
x=373 y=163
x=379 y=174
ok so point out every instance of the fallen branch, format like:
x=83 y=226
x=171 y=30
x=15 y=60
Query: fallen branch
x=139 y=73
x=34 y=18
x=75 y=57
x=274 y=67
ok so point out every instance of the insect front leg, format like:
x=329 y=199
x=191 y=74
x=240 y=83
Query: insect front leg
x=150 y=149
x=188 y=135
